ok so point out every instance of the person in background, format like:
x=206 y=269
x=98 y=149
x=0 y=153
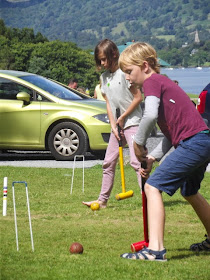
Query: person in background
x=183 y=128
x=176 y=82
x=73 y=83
x=118 y=93
x=87 y=91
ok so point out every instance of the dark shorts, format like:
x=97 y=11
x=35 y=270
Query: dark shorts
x=184 y=168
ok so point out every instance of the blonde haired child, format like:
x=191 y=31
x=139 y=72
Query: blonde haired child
x=182 y=126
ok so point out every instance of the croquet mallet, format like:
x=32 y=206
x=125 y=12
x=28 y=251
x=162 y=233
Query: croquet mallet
x=123 y=194
x=135 y=247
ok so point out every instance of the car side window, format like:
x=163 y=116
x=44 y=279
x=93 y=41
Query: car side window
x=10 y=89
x=39 y=97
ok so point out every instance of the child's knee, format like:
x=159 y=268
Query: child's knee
x=146 y=188
x=149 y=190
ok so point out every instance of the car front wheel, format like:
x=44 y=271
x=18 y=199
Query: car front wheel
x=67 y=140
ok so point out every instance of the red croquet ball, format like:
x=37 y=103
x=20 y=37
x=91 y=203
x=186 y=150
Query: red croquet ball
x=76 y=248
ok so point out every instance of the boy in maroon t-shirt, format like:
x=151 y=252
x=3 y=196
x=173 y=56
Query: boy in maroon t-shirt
x=183 y=128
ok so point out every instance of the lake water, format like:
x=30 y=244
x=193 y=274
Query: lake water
x=191 y=80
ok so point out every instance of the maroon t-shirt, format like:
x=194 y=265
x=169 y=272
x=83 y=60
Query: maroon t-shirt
x=178 y=118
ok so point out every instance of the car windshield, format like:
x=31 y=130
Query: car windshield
x=52 y=87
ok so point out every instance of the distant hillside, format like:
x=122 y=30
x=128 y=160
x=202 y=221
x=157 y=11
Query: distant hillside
x=86 y=22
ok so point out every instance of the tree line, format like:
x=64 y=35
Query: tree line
x=87 y=22
x=23 y=50
x=189 y=55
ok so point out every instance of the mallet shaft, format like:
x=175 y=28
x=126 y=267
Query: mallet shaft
x=5 y=197
x=122 y=169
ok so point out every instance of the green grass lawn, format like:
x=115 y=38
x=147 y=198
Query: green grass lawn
x=58 y=219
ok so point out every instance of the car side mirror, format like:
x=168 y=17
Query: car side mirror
x=24 y=96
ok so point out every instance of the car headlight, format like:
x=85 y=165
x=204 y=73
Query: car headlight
x=102 y=118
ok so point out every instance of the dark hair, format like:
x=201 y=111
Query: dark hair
x=109 y=49
x=71 y=81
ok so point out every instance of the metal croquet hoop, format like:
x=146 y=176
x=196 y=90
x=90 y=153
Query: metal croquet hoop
x=83 y=176
x=29 y=214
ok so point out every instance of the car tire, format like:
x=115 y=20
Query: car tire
x=67 y=140
x=99 y=154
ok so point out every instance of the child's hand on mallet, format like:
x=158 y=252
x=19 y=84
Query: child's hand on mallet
x=115 y=131
x=140 y=152
x=120 y=122
x=145 y=172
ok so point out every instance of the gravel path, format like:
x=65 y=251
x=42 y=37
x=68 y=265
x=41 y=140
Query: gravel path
x=44 y=159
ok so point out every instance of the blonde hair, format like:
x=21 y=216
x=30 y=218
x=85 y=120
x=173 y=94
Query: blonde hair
x=137 y=53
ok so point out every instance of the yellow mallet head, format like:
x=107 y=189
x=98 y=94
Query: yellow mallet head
x=124 y=195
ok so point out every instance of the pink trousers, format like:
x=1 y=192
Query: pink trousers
x=111 y=159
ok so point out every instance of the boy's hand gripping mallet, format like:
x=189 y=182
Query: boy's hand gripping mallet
x=135 y=247
x=123 y=194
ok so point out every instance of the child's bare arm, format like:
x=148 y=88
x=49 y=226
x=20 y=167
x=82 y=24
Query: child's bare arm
x=111 y=118
x=135 y=102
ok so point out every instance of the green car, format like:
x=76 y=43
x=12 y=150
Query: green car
x=37 y=113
